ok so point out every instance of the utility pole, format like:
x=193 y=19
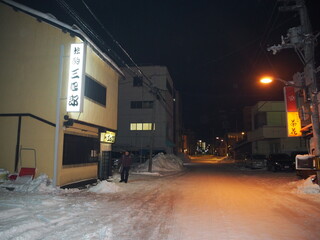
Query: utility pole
x=155 y=93
x=302 y=40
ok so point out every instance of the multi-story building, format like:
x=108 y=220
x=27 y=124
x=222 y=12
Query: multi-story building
x=148 y=116
x=269 y=130
x=58 y=96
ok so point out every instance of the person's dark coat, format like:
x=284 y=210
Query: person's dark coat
x=126 y=161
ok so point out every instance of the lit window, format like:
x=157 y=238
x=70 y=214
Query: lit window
x=133 y=126
x=139 y=126
x=147 y=126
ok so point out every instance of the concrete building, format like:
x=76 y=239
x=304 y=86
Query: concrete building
x=140 y=108
x=269 y=131
x=53 y=116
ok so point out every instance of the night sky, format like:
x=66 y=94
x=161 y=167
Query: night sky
x=214 y=50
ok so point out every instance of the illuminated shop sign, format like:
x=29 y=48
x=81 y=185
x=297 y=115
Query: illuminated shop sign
x=290 y=99
x=76 y=78
x=294 y=124
x=108 y=137
x=293 y=119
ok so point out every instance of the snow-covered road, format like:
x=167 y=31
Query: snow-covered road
x=221 y=202
x=211 y=201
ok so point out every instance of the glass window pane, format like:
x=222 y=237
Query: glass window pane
x=139 y=126
x=146 y=126
x=133 y=126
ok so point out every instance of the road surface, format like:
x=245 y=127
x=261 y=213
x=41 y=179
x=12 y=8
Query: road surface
x=211 y=200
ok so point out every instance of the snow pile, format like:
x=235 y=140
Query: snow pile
x=105 y=187
x=154 y=174
x=3 y=175
x=163 y=163
x=26 y=184
x=308 y=187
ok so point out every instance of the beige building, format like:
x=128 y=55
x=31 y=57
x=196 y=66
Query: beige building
x=38 y=73
x=139 y=110
x=269 y=130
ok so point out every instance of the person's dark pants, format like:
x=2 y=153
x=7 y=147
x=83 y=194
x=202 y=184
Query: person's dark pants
x=125 y=174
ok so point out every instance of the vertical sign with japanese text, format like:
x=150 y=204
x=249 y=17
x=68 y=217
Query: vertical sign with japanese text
x=294 y=124
x=290 y=99
x=293 y=119
x=76 y=78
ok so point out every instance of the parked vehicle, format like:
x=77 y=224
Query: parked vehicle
x=280 y=162
x=255 y=161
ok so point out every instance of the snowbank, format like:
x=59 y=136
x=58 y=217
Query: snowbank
x=26 y=184
x=308 y=187
x=162 y=163
x=105 y=187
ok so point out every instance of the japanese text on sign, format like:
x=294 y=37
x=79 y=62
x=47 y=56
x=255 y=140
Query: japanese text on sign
x=75 y=83
x=293 y=124
x=108 y=137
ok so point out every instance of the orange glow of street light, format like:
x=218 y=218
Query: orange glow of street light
x=266 y=80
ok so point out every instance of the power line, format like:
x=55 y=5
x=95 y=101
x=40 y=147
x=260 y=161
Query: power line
x=149 y=83
x=115 y=41
x=265 y=35
x=87 y=30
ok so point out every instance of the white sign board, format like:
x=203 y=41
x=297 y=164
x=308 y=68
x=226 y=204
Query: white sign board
x=76 y=78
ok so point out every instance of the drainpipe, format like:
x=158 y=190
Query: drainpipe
x=17 y=145
x=56 y=139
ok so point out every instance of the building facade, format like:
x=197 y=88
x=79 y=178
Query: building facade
x=53 y=116
x=269 y=130
x=148 y=112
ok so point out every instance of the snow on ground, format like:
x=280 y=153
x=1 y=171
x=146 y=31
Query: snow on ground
x=162 y=163
x=105 y=187
x=308 y=186
x=218 y=201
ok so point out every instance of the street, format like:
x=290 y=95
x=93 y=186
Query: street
x=212 y=199
x=221 y=202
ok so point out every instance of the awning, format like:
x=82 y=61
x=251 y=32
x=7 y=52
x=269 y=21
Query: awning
x=307 y=130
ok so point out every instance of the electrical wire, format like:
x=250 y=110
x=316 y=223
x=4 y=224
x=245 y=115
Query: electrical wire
x=149 y=83
x=268 y=29
x=86 y=29
x=153 y=90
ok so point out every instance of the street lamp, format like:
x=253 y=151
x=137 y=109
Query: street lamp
x=314 y=109
x=269 y=79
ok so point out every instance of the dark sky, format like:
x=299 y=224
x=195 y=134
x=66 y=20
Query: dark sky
x=214 y=50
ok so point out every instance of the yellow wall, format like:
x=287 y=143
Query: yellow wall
x=8 y=140
x=104 y=74
x=39 y=136
x=30 y=57
x=74 y=173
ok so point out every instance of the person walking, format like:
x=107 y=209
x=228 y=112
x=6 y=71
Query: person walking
x=125 y=163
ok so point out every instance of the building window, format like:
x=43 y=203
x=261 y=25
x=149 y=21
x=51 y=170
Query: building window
x=141 y=104
x=79 y=149
x=137 y=81
x=260 y=119
x=95 y=91
x=141 y=126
